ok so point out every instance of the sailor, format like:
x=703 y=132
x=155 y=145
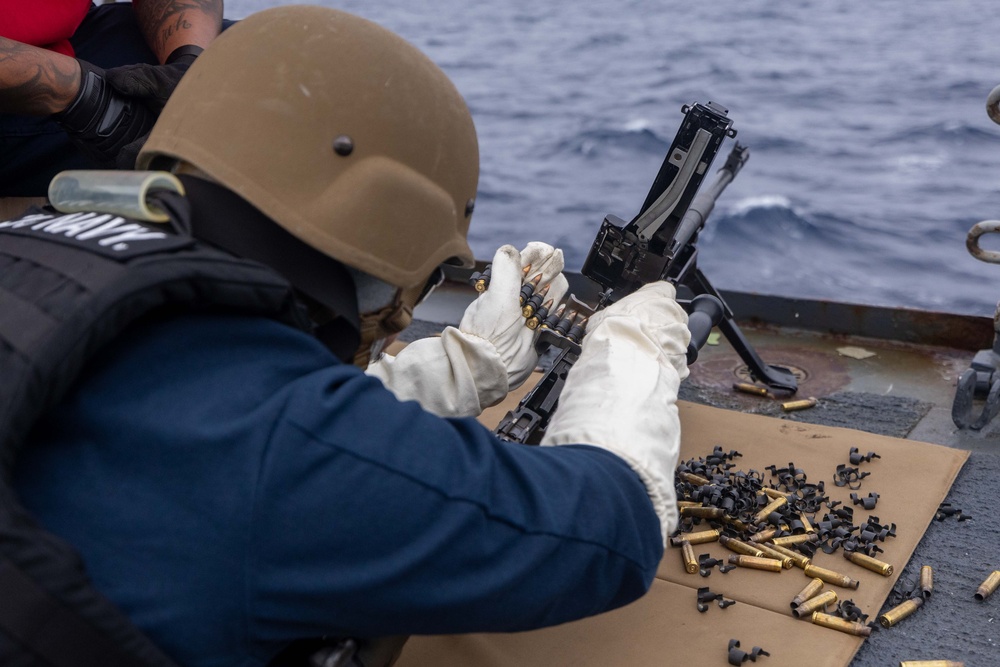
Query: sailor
x=80 y=84
x=235 y=484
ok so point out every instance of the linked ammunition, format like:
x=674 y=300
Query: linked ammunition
x=799 y=560
x=830 y=577
x=789 y=540
x=756 y=563
x=899 y=612
x=931 y=663
x=528 y=288
x=553 y=319
x=811 y=590
x=770 y=507
x=563 y=326
x=700 y=537
x=987 y=587
x=740 y=547
x=869 y=563
x=771 y=552
x=576 y=331
x=687 y=554
x=535 y=302
x=818 y=603
x=803 y=404
x=704 y=512
x=539 y=315
x=481 y=281
x=748 y=388
x=837 y=623
x=926 y=581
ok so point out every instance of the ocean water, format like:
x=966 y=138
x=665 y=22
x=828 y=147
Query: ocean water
x=871 y=154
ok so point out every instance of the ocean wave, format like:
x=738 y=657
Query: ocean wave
x=952 y=132
x=635 y=137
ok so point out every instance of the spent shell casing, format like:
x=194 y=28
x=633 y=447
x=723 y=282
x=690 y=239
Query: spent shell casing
x=747 y=388
x=931 y=663
x=811 y=590
x=764 y=535
x=799 y=560
x=687 y=555
x=539 y=315
x=830 y=577
x=899 y=612
x=771 y=552
x=681 y=504
x=528 y=288
x=775 y=493
x=806 y=523
x=701 y=537
x=789 y=540
x=704 y=512
x=838 y=623
x=756 y=563
x=926 y=581
x=770 y=507
x=692 y=478
x=803 y=404
x=740 y=547
x=869 y=563
x=817 y=603
x=987 y=587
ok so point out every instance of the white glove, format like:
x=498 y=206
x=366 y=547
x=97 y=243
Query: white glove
x=470 y=368
x=621 y=394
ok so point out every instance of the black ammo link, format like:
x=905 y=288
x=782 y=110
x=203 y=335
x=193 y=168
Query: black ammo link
x=481 y=281
x=539 y=315
x=528 y=288
x=552 y=320
x=562 y=327
x=100 y=122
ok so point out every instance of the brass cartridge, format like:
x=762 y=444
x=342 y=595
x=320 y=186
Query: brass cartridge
x=692 y=478
x=837 y=623
x=528 y=288
x=926 y=581
x=534 y=302
x=774 y=493
x=681 y=504
x=806 y=523
x=764 y=535
x=931 y=663
x=704 y=512
x=869 y=563
x=818 y=603
x=740 y=547
x=831 y=577
x=755 y=563
x=687 y=554
x=803 y=404
x=811 y=590
x=799 y=560
x=771 y=552
x=789 y=540
x=899 y=612
x=987 y=587
x=771 y=507
x=747 y=388
x=696 y=538
x=539 y=315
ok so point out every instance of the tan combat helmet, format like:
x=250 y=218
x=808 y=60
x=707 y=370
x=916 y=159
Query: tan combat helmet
x=343 y=133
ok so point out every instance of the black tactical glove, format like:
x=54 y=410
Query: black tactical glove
x=105 y=125
x=153 y=84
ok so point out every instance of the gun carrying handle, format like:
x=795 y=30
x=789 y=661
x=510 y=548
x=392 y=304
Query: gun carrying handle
x=704 y=313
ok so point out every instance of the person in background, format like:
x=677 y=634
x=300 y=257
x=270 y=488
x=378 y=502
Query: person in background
x=236 y=484
x=81 y=85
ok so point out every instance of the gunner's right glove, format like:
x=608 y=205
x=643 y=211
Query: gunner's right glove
x=105 y=125
x=621 y=394
x=465 y=370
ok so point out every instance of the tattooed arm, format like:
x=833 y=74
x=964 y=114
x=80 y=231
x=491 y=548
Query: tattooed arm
x=35 y=81
x=168 y=24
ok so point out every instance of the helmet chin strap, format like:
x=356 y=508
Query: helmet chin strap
x=379 y=326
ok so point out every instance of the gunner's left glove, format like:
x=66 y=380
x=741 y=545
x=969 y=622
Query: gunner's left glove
x=468 y=369
x=153 y=84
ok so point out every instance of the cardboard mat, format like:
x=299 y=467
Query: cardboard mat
x=665 y=627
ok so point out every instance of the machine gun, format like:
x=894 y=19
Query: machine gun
x=658 y=244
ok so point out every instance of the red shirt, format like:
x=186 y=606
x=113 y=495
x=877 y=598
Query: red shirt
x=45 y=23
